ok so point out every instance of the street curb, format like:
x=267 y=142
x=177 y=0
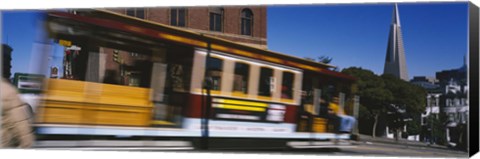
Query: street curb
x=364 y=138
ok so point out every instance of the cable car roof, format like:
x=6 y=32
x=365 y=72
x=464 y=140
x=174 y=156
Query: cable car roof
x=115 y=20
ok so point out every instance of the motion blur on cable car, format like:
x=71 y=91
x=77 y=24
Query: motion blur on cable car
x=114 y=80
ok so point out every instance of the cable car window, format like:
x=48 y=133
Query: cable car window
x=240 y=79
x=287 y=85
x=215 y=72
x=265 y=82
x=128 y=70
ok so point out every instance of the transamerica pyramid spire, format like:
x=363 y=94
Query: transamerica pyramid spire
x=395 y=59
x=395 y=16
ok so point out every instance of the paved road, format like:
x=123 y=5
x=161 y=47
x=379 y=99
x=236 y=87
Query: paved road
x=363 y=149
x=359 y=149
x=381 y=149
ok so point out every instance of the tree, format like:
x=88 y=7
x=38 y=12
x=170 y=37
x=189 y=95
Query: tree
x=437 y=124
x=388 y=97
x=414 y=127
x=309 y=59
x=408 y=97
x=411 y=96
x=325 y=59
x=321 y=59
x=373 y=95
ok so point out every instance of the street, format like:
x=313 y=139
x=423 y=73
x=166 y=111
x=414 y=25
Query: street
x=364 y=149
x=383 y=149
x=360 y=148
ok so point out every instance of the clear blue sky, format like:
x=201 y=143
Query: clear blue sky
x=21 y=30
x=435 y=34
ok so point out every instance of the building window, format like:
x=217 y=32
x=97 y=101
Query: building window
x=216 y=19
x=178 y=17
x=287 y=85
x=451 y=116
x=133 y=54
x=215 y=67
x=266 y=79
x=429 y=101
x=247 y=22
x=136 y=12
x=240 y=79
x=456 y=102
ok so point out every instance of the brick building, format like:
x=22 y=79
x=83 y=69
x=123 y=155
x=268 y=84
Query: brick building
x=241 y=24
x=245 y=25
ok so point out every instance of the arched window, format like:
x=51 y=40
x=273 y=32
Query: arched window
x=178 y=17
x=247 y=22
x=216 y=19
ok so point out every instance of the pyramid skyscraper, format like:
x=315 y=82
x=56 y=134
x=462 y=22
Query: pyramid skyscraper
x=395 y=60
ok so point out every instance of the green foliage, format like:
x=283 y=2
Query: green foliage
x=325 y=59
x=371 y=89
x=309 y=59
x=438 y=129
x=365 y=120
x=406 y=94
x=364 y=113
x=414 y=127
x=378 y=92
x=321 y=59
x=373 y=96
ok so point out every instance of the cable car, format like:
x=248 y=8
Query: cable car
x=129 y=82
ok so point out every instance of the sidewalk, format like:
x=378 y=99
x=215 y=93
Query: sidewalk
x=366 y=139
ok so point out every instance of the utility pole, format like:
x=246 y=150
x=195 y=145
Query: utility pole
x=356 y=106
x=206 y=105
